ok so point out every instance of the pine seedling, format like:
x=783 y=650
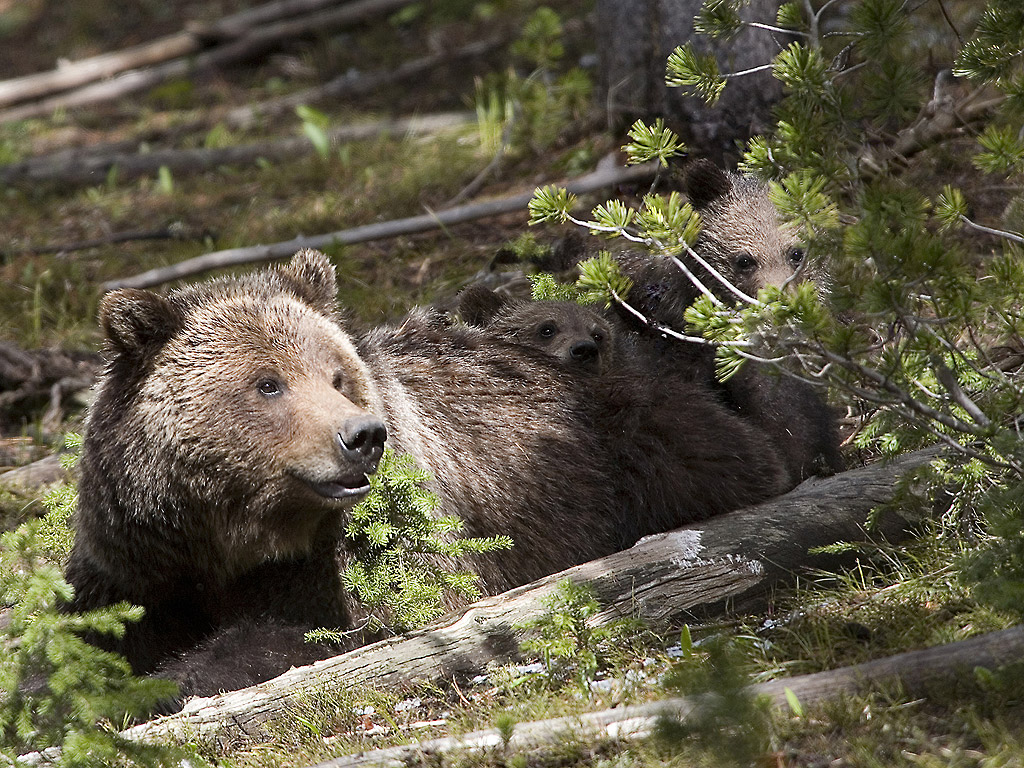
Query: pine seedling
x=403 y=550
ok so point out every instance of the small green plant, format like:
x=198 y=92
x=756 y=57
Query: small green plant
x=58 y=692
x=728 y=722
x=403 y=550
x=315 y=126
x=568 y=642
x=55 y=533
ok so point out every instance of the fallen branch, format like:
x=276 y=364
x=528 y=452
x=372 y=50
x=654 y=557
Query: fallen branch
x=701 y=570
x=74 y=74
x=253 y=43
x=352 y=85
x=92 y=168
x=415 y=224
x=914 y=670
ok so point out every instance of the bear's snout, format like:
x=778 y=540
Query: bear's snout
x=584 y=351
x=361 y=440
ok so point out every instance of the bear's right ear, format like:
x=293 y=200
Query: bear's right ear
x=313 y=274
x=478 y=305
x=705 y=182
x=135 y=320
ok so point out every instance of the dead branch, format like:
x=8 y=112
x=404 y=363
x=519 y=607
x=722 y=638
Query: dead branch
x=415 y=224
x=41 y=378
x=697 y=571
x=252 y=43
x=76 y=167
x=914 y=670
x=349 y=86
x=78 y=73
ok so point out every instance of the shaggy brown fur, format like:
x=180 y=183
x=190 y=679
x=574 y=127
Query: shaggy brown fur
x=678 y=455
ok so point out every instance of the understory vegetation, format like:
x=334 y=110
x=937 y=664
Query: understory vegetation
x=898 y=154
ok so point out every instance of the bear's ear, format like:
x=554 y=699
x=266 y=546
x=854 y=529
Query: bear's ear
x=705 y=182
x=135 y=320
x=313 y=275
x=478 y=305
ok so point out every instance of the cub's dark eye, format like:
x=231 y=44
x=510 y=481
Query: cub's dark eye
x=745 y=262
x=338 y=382
x=547 y=331
x=269 y=387
x=796 y=256
x=597 y=336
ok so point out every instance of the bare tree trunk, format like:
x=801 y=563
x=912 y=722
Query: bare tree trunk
x=700 y=570
x=634 y=40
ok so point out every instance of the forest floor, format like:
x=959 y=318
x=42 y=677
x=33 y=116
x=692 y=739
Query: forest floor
x=894 y=599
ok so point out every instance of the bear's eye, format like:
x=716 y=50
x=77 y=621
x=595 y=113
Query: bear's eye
x=597 y=336
x=338 y=382
x=796 y=256
x=745 y=262
x=547 y=331
x=269 y=387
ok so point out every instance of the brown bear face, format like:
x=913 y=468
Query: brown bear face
x=253 y=397
x=573 y=334
x=576 y=336
x=742 y=236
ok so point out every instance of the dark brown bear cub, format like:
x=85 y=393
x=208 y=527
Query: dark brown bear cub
x=230 y=434
x=576 y=335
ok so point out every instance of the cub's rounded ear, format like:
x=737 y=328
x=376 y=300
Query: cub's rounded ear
x=478 y=305
x=136 y=320
x=704 y=183
x=313 y=276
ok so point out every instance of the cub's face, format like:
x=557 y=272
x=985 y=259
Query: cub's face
x=578 y=337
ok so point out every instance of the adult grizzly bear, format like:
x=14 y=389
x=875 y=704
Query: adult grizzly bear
x=232 y=429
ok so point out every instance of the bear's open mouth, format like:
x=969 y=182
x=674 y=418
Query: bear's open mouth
x=343 y=488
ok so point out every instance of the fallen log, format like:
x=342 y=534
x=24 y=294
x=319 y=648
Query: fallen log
x=92 y=168
x=698 y=571
x=413 y=225
x=253 y=43
x=914 y=670
x=359 y=84
x=32 y=379
x=69 y=75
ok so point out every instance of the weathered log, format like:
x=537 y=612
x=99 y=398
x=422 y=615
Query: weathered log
x=915 y=670
x=695 y=572
x=413 y=225
x=253 y=43
x=73 y=167
x=74 y=74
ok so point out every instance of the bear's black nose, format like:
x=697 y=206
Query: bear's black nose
x=361 y=439
x=584 y=351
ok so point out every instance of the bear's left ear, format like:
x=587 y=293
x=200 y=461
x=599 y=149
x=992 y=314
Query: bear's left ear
x=478 y=305
x=136 y=320
x=313 y=274
x=704 y=183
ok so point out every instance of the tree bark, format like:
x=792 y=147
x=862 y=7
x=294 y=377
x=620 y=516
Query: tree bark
x=698 y=571
x=634 y=40
x=415 y=224
x=915 y=670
